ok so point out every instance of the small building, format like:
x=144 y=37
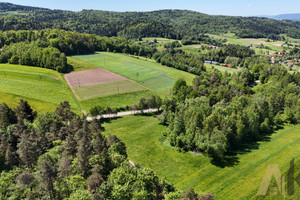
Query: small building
x=209 y=62
x=290 y=64
x=212 y=47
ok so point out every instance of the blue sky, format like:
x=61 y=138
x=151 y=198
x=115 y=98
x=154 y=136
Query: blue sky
x=223 y=7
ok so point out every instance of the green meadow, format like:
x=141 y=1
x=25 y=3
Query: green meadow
x=143 y=136
x=108 y=89
x=222 y=68
x=44 y=89
x=233 y=39
x=115 y=101
x=152 y=75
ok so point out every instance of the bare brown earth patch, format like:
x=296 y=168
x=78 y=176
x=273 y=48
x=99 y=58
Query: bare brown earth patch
x=92 y=77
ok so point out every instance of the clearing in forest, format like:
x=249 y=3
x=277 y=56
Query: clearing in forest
x=44 y=89
x=94 y=83
x=143 y=136
x=92 y=77
x=151 y=75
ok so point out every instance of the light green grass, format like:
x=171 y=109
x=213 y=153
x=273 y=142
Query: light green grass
x=152 y=75
x=13 y=101
x=108 y=89
x=159 y=39
x=80 y=65
x=115 y=101
x=43 y=88
x=221 y=68
x=232 y=39
x=145 y=145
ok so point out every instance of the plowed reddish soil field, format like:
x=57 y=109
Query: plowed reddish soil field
x=92 y=77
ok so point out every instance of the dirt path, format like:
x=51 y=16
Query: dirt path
x=124 y=114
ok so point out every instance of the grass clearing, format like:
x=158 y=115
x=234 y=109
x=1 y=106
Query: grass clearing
x=80 y=65
x=115 y=101
x=232 y=39
x=140 y=71
x=43 y=88
x=145 y=145
x=221 y=68
x=107 y=89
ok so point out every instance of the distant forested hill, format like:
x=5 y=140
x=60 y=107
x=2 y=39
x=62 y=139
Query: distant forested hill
x=13 y=7
x=294 y=16
x=174 y=24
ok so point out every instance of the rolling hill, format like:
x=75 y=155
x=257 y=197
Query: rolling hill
x=174 y=24
x=292 y=16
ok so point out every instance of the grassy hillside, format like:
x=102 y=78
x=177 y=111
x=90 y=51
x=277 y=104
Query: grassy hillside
x=233 y=39
x=222 y=68
x=145 y=144
x=152 y=75
x=115 y=101
x=44 y=89
x=108 y=89
x=163 y=23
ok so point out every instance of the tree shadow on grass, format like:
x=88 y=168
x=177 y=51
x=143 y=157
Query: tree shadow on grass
x=151 y=114
x=109 y=120
x=231 y=158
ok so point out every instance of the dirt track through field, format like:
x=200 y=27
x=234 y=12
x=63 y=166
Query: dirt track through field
x=92 y=77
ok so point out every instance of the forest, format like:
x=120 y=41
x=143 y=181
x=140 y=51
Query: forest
x=61 y=155
x=221 y=113
x=48 y=48
x=174 y=24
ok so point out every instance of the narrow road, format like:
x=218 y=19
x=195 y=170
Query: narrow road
x=123 y=114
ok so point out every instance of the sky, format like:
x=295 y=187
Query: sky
x=214 y=7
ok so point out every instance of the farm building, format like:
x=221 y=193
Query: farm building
x=209 y=62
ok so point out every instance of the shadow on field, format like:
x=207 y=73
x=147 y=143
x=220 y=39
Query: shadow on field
x=231 y=158
x=153 y=114
x=109 y=120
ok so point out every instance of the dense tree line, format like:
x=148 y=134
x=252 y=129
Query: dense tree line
x=295 y=52
x=60 y=155
x=220 y=112
x=48 y=48
x=180 y=60
x=72 y=43
x=174 y=24
x=153 y=29
x=201 y=38
x=32 y=55
x=230 y=50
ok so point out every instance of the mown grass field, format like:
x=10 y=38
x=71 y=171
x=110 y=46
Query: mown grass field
x=221 y=68
x=115 y=101
x=108 y=89
x=80 y=65
x=146 y=146
x=44 y=89
x=160 y=41
x=232 y=39
x=152 y=75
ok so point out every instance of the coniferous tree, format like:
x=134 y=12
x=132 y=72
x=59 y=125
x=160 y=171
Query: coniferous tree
x=27 y=150
x=7 y=116
x=24 y=111
x=83 y=155
x=47 y=175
